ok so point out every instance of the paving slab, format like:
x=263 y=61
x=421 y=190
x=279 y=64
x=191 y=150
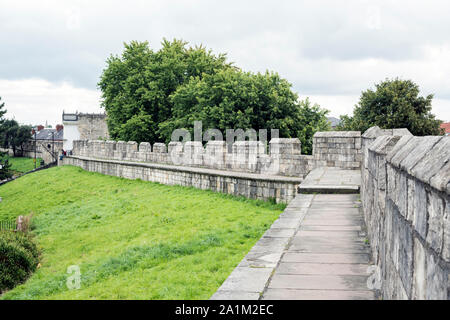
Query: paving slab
x=331 y=180
x=310 y=221
x=292 y=294
x=327 y=258
x=247 y=279
x=318 y=282
x=280 y=233
x=316 y=249
x=322 y=268
x=259 y=259
x=331 y=228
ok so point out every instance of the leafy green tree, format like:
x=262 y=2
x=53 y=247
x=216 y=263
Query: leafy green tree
x=21 y=136
x=394 y=104
x=136 y=86
x=236 y=99
x=5 y=167
x=14 y=136
x=311 y=118
x=7 y=130
x=147 y=94
x=2 y=111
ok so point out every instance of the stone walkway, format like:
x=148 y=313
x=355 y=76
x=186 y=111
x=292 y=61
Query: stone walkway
x=327 y=258
x=331 y=180
x=315 y=250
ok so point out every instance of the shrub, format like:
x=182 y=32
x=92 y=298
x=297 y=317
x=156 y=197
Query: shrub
x=19 y=257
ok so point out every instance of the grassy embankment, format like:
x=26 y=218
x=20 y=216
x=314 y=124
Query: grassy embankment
x=131 y=239
x=21 y=164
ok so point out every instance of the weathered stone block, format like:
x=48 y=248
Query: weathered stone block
x=401 y=193
x=410 y=199
x=420 y=271
x=435 y=221
x=446 y=245
x=398 y=149
x=416 y=150
x=420 y=209
x=159 y=148
x=145 y=147
x=437 y=280
x=433 y=161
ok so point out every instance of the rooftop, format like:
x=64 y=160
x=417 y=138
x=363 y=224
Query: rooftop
x=46 y=134
x=446 y=127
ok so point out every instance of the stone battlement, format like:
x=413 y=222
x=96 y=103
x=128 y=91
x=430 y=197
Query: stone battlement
x=405 y=193
x=281 y=156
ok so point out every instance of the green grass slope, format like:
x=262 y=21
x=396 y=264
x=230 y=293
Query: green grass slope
x=22 y=165
x=131 y=239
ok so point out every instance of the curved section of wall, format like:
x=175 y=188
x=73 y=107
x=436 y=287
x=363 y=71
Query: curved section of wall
x=253 y=186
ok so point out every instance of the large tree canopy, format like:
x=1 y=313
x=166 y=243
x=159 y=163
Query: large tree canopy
x=147 y=94
x=394 y=104
x=13 y=135
x=236 y=99
x=136 y=87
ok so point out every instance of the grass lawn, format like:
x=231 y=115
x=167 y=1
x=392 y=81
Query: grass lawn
x=22 y=165
x=131 y=239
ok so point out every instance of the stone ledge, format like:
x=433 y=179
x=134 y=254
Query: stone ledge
x=249 y=279
x=310 y=189
x=222 y=173
x=338 y=134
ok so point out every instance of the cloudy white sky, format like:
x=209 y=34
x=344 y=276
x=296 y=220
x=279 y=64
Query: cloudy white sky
x=52 y=52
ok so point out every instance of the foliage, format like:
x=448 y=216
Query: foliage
x=5 y=167
x=394 y=104
x=13 y=135
x=311 y=118
x=2 y=110
x=18 y=258
x=148 y=94
x=236 y=99
x=131 y=239
x=136 y=87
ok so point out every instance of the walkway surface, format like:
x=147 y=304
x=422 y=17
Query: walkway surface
x=315 y=250
x=331 y=180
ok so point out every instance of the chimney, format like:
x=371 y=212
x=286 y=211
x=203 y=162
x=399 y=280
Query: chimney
x=40 y=127
x=59 y=127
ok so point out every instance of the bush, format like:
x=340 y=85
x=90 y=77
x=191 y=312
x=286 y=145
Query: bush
x=19 y=257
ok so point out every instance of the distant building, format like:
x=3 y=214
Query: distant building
x=83 y=126
x=446 y=127
x=334 y=122
x=49 y=143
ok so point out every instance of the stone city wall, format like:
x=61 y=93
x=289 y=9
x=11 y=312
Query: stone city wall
x=340 y=149
x=336 y=149
x=92 y=126
x=253 y=186
x=406 y=202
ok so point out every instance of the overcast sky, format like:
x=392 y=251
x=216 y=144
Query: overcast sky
x=53 y=52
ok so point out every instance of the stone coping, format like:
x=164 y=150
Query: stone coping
x=250 y=278
x=213 y=172
x=425 y=158
x=337 y=134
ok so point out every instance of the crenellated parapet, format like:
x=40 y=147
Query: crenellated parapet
x=281 y=156
x=341 y=149
x=405 y=194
